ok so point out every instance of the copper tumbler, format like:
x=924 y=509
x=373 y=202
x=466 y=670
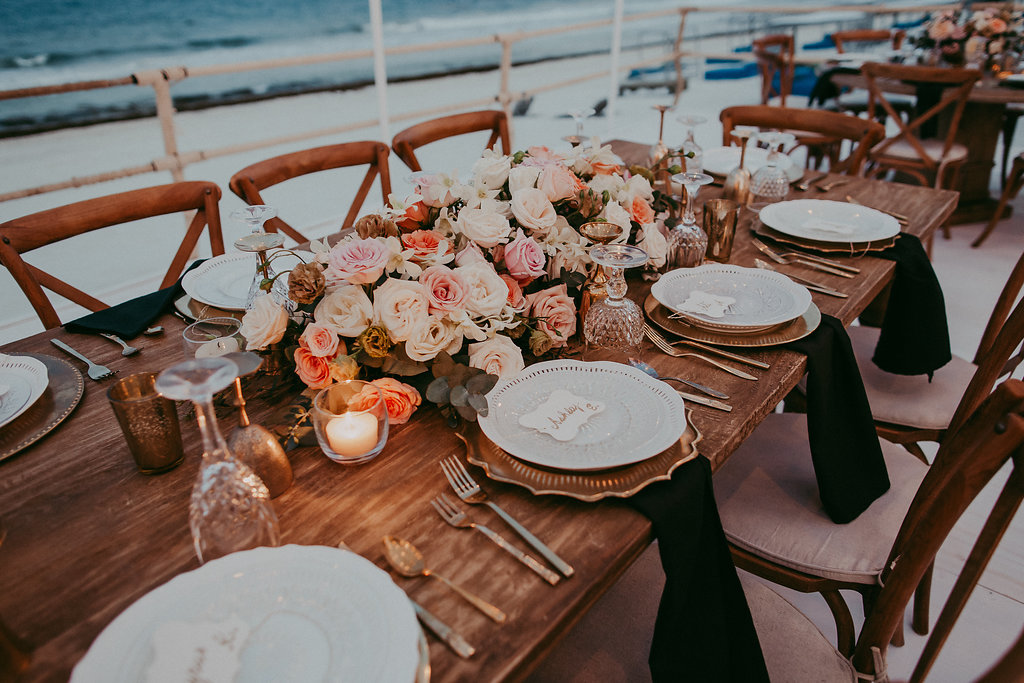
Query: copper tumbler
x=720 y=216
x=149 y=422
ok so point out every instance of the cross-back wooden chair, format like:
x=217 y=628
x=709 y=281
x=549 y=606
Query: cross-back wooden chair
x=1014 y=183
x=993 y=436
x=30 y=232
x=777 y=527
x=407 y=141
x=862 y=37
x=250 y=182
x=861 y=133
x=774 y=55
x=857 y=102
x=929 y=160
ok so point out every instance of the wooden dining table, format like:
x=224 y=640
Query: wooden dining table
x=87 y=535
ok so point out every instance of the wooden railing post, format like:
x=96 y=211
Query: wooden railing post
x=504 y=96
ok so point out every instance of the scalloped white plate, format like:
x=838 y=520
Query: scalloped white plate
x=223 y=281
x=25 y=380
x=824 y=220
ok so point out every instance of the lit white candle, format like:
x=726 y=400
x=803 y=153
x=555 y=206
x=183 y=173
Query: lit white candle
x=352 y=434
x=217 y=347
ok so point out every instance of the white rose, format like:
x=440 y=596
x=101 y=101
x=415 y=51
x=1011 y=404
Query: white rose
x=486 y=291
x=432 y=337
x=613 y=213
x=497 y=356
x=638 y=186
x=655 y=244
x=522 y=177
x=492 y=169
x=533 y=210
x=265 y=323
x=611 y=183
x=347 y=309
x=401 y=306
x=486 y=228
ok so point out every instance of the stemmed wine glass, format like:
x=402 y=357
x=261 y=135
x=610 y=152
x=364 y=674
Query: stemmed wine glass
x=770 y=183
x=695 y=163
x=660 y=150
x=259 y=242
x=578 y=115
x=230 y=508
x=599 y=232
x=737 y=183
x=687 y=242
x=615 y=322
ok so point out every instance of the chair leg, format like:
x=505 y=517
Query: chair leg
x=1013 y=187
x=845 y=640
x=1009 y=128
x=868 y=596
x=922 y=600
x=915 y=450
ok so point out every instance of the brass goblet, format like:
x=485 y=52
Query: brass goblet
x=599 y=232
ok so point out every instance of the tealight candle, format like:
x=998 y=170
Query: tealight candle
x=217 y=347
x=352 y=434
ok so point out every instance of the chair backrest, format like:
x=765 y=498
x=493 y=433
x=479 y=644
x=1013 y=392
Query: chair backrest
x=46 y=227
x=955 y=86
x=861 y=133
x=967 y=461
x=252 y=180
x=407 y=141
x=861 y=36
x=774 y=55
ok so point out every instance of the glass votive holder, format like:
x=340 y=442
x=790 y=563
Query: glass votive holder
x=212 y=337
x=720 y=216
x=149 y=422
x=351 y=421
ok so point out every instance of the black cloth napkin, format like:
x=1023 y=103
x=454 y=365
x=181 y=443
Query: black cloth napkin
x=704 y=631
x=847 y=458
x=915 y=333
x=130 y=318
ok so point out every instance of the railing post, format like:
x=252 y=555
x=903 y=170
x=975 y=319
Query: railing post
x=160 y=82
x=677 y=57
x=504 y=96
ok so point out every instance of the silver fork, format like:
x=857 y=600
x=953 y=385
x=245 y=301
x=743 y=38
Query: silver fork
x=125 y=349
x=96 y=372
x=470 y=492
x=451 y=514
x=663 y=344
x=789 y=258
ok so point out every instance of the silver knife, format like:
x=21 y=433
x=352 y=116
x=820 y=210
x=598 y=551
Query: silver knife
x=704 y=401
x=443 y=631
x=809 y=284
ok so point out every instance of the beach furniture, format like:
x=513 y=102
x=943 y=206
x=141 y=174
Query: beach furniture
x=407 y=141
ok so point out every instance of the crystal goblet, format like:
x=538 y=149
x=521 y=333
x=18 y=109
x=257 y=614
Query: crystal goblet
x=770 y=183
x=693 y=155
x=659 y=150
x=599 y=232
x=615 y=322
x=687 y=242
x=578 y=115
x=259 y=242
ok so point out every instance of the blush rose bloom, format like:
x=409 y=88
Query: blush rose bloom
x=435 y=190
x=498 y=355
x=321 y=340
x=314 y=371
x=469 y=255
x=265 y=324
x=358 y=262
x=486 y=228
x=492 y=169
x=655 y=244
x=515 y=292
x=556 y=312
x=524 y=258
x=425 y=243
x=486 y=291
x=522 y=177
x=533 y=210
x=347 y=310
x=445 y=288
x=558 y=182
x=401 y=306
x=400 y=399
x=432 y=337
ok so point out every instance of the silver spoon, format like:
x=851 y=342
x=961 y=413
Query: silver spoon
x=125 y=349
x=640 y=365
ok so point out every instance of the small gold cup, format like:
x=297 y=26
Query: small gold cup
x=720 y=217
x=149 y=422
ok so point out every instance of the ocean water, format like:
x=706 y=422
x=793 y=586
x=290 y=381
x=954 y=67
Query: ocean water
x=44 y=42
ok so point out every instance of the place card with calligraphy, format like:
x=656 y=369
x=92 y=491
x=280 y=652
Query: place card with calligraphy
x=562 y=414
x=194 y=651
x=707 y=304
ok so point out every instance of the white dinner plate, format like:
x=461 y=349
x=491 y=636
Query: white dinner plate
x=298 y=613
x=223 y=281
x=720 y=161
x=23 y=380
x=824 y=220
x=641 y=416
x=761 y=299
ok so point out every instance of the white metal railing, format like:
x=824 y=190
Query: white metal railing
x=175 y=161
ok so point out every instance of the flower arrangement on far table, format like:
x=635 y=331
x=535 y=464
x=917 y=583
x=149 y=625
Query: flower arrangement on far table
x=460 y=284
x=979 y=36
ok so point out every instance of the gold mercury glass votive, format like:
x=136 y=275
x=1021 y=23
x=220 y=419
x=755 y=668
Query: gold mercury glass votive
x=720 y=216
x=149 y=422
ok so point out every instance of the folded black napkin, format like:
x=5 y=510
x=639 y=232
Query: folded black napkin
x=847 y=459
x=704 y=631
x=130 y=318
x=915 y=334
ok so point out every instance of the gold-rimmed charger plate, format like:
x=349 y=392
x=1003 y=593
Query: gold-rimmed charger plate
x=851 y=249
x=197 y=310
x=64 y=390
x=798 y=329
x=619 y=482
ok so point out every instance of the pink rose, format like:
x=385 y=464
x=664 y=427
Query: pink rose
x=446 y=290
x=533 y=210
x=555 y=313
x=358 y=262
x=400 y=398
x=499 y=356
x=425 y=243
x=470 y=254
x=558 y=182
x=320 y=340
x=515 y=292
x=524 y=258
x=541 y=156
x=314 y=371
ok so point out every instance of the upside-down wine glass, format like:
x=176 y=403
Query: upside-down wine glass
x=615 y=322
x=737 y=183
x=599 y=232
x=770 y=182
x=259 y=242
x=659 y=150
x=230 y=508
x=578 y=115
x=694 y=163
x=687 y=242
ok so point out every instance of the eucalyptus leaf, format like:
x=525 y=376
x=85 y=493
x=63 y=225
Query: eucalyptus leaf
x=482 y=383
x=467 y=413
x=438 y=391
x=459 y=396
x=479 y=403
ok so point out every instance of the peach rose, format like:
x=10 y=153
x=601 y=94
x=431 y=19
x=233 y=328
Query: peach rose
x=415 y=216
x=358 y=262
x=401 y=306
x=445 y=288
x=320 y=340
x=641 y=211
x=515 y=292
x=558 y=182
x=533 y=210
x=431 y=338
x=264 y=324
x=486 y=292
x=314 y=371
x=425 y=243
x=524 y=258
x=556 y=313
x=484 y=227
x=542 y=156
x=498 y=355
x=604 y=168
x=400 y=398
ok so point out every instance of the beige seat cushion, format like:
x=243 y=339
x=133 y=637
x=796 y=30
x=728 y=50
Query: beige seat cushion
x=909 y=400
x=793 y=647
x=768 y=499
x=903 y=150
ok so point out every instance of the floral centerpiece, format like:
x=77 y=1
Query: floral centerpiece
x=980 y=36
x=460 y=284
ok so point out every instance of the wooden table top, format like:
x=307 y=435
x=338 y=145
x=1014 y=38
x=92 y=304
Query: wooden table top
x=87 y=535
x=984 y=91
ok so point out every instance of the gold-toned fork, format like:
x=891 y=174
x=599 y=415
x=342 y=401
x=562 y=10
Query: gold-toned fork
x=469 y=491
x=790 y=258
x=825 y=187
x=455 y=517
x=900 y=218
x=805 y=185
x=95 y=372
x=664 y=345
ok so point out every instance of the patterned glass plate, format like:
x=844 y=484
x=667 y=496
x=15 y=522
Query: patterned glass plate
x=798 y=329
x=720 y=161
x=223 y=281
x=22 y=382
x=824 y=220
x=762 y=299
x=310 y=612
x=641 y=416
